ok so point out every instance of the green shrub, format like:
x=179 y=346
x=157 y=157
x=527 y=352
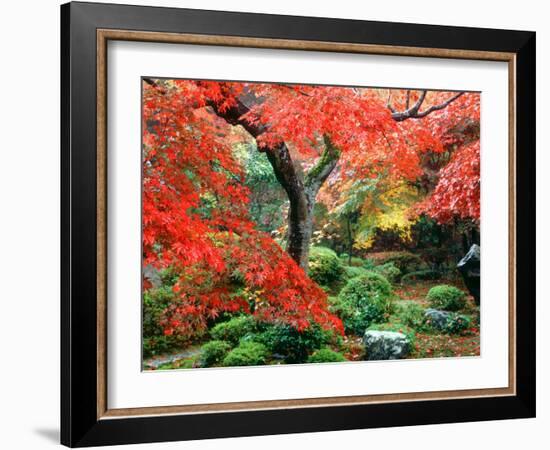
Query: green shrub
x=234 y=329
x=290 y=344
x=155 y=302
x=446 y=297
x=406 y=262
x=396 y=327
x=425 y=275
x=352 y=272
x=356 y=261
x=189 y=364
x=247 y=354
x=412 y=315
x=326 y=355
x=369 y=264
x=390 y=271
x=457 y=324
x=325 y=268
x=213 y=353
x=364 y=300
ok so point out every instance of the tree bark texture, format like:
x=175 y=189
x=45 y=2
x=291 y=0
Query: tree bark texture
x=300 y=188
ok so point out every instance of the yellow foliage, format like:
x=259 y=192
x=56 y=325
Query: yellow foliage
x=387 y=211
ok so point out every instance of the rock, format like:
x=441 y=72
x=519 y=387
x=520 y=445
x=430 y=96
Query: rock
x=436 y=318
x=469 y=268
x=380 y=345
x=152 y=275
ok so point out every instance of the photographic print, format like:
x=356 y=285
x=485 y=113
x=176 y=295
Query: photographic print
x=298 y=224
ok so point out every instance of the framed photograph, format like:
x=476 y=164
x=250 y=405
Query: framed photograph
x=275 y=224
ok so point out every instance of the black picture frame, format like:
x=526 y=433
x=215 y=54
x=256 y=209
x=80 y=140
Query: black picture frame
x=80 y=425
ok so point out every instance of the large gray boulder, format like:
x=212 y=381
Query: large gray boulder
x=469 y=267
x=436 y=318
x=380 y=345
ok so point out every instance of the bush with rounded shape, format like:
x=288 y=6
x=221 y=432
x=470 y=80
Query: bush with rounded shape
x=213 y=353
x=390 y=271
x=363 y=301
x=412 y=315
x=352 y=272
x=292 y=345
x=247 y=354
x=325 y=355
x=369 y=264
x=234 y=329
x=325 y=268
x=448 y=298
x=356 y=261
x=457 y=324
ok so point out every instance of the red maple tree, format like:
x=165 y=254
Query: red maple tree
x=195 y=216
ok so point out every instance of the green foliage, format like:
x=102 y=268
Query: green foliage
x=406 y=262
x=363 y=301
x=234 y=329
x=325 y=268
x=356 y=261
x=425 y=275
x=457 y=324
x=266 y=193
x=188 y=364
x=325 y=355
x=290 y=344
x=157 y=345
x=247 y=354
x=213 y=353
x=396 y=327
x=411 y=314
x=155 y=302
x=369 y=264
x=352 y=272
x=446 y=297
x=390 y=271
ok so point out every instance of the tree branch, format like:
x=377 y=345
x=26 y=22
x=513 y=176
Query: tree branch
x=234 y=114
x=414 y=111
x=328 y=160
x=443 y=105
x=388 y=103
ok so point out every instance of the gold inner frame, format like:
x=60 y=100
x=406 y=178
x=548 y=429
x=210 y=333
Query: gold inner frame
x=103 y=36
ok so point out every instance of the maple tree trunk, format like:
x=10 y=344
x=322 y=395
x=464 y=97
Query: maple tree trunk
x=300 y=220
x=302 y=192
x=301 y=188
x=300 y=228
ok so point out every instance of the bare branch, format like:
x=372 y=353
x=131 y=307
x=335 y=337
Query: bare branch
x=443 y=105
x=414 y=111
